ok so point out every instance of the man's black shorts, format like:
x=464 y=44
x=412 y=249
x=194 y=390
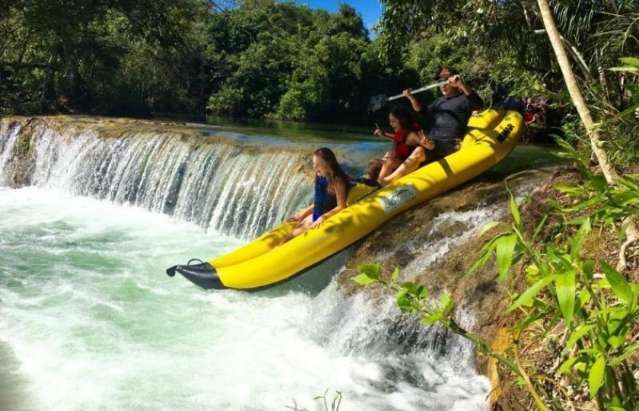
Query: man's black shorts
x=444 y=148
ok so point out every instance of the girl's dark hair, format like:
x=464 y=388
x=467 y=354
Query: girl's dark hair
x=336 y=171
x=403 y=115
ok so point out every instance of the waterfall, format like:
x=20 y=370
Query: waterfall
x=236 y=189
x=292 y=346
x=8 y=137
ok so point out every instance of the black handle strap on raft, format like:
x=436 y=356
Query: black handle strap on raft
x=504 y=133
x=171 y=270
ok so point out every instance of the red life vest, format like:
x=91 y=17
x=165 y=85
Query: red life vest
x=400 y=148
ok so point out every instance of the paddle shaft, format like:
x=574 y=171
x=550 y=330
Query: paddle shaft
x=419 y=90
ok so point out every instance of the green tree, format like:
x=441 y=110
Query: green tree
x=286 y=61
x=70 y=54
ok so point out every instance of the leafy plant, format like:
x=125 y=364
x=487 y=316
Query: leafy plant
x=595 y=312
x=414 y=299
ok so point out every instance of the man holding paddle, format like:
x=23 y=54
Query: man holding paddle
x=445 y=121
x=447 y=117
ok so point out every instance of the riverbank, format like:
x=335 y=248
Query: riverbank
x=413 y=243
x=435 y=244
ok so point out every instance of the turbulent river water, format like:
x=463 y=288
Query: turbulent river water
x=89 y=321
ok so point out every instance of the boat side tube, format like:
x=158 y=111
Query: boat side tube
x=203 y=275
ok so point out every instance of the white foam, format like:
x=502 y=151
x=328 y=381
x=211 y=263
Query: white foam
x=96 y=324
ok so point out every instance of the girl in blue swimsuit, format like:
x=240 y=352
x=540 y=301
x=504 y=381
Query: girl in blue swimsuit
x=331 y=191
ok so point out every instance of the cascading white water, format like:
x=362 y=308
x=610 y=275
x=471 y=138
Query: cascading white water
x=95 y=324
x=231 y=188
x=91 y=322
x=8 y=138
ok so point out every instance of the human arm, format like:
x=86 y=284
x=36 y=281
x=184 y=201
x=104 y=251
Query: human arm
x=301 y=215
x=420 y=138
x=409 y=165
x=474 y=100
x=381 y=133
x=417 y=106
x=341 y=196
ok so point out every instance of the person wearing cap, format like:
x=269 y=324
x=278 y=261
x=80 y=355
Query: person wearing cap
x=448 y=115
x=445 y=121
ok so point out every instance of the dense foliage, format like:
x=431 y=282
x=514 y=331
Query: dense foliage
x=582 y=312
x=504 y=47
x=251 y=58
x=278 y=59
x=265 y=58
x=286 y=61
x=103 y=56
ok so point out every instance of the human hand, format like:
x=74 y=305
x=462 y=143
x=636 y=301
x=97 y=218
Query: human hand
x=318 y=222
x=455 y=81
x=378 y=132
x=425 y=141
x=408 y=93
x=384 y=181
x=295 y=219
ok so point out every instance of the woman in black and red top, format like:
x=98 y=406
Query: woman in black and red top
x=406 y=137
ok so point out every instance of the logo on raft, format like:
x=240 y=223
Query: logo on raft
x=398 y=197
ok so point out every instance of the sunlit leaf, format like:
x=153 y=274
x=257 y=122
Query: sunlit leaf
x=626 y=69
x=630 y=61
x=485 y=254
x=431 y=319
x=565 y=287
x=514 y=209
x=422 y=293
x=526 y=298
x=566 y=366
x=578 y=334
x=584 y=297
x=532 y=271
x=371 y=270
x=504 y=249
x=363 y=279
x=487 y=227
x=395 y=274
x=616 y=341
x=539 y=227
x=596 y=376
x=445 y=301
x=568 y=189
x=578 y=239
x=619 y=285
x=627 y=352
x=402 y=299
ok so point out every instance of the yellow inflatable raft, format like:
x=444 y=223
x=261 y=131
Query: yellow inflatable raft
x=490 y=138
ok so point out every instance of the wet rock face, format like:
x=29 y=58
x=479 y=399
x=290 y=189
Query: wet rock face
x=436 y=243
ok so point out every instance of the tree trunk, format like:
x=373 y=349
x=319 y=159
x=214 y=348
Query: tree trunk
x=632 y=233
x=575 y=94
